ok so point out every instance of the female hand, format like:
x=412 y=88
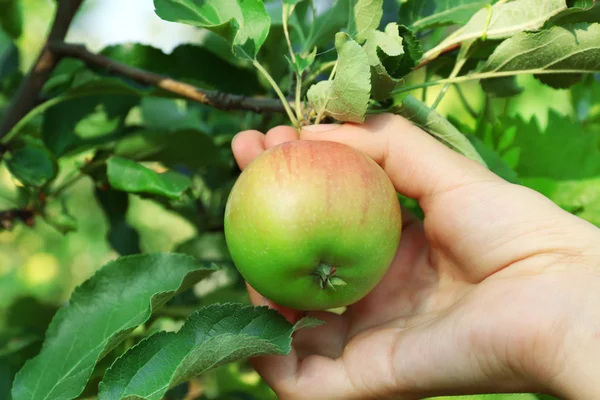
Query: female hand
x=497 y=291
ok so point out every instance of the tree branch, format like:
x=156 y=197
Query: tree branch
x=222 y=101
x=8 y=218
x=27 y=95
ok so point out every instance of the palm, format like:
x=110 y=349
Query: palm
x=428 y=289
x=442 y=319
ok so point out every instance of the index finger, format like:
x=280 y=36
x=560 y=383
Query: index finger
x=418 y=165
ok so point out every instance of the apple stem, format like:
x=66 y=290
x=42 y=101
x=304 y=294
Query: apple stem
x=325 y=274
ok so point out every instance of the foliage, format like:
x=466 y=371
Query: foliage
x=124 y=159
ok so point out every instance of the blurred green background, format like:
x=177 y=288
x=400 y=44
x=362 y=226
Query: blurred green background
x=41 y=266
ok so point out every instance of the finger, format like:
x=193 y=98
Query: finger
x=323 y=344
x=246 y=146
x=291 y=315
x=280 y=134
x=326 y=340
x=418 y=165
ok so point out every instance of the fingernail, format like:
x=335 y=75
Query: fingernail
x=321 y=127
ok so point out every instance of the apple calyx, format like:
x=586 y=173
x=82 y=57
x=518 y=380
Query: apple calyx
x=325 y=274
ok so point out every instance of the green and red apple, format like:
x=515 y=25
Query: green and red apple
x=313 y=225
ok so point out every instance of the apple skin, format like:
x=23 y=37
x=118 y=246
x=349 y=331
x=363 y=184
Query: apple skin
x=304 y=204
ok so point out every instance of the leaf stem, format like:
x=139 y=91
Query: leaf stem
x=487 y=75
x=465 y=102
x=322 y=68
x=460 y=62
x=277 y=90
x=287 y=10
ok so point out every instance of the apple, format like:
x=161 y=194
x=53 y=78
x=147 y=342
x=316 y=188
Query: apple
x=313 y=225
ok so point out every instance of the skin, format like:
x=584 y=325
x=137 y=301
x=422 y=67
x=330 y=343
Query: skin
x=306 y=212
x=497 y=291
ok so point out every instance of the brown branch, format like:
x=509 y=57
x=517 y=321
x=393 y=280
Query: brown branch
x=9 y=217
x=27 y=95
x=222 y=101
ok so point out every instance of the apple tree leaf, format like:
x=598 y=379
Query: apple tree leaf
x=580 y=196
x=9 y=55
x=57 y=215
x=189 y=147
x=33 y=165
x=212 y=336
x=123 y=237
x=100 y=314
x=385 y=52
x=11 y=17
x=505 y=86
x=507 y=19
x=578 y=11
x=413 y=51
x=367 y=17
x=327 y=24
x=130 y=176
x=216 y=72
x=346 y=97
x=563 y=151
x=438 y=127
x=425 y=14
x=243 y=23
x=558 y=50
x=494 y=161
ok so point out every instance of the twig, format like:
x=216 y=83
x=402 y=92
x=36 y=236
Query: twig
x=9 y=217
x=27 y=95
x=222 y=101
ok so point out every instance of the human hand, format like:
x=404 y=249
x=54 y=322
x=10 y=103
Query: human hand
x=497 y=291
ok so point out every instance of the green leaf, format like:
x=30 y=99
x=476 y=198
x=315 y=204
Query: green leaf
x=99 y=315
x=385 y=51
x=506 y=86
x=425 y=14
x=303 y=61
x=130 y=176
x=325 y=26
x=578 y=11
x=212 y=336
x=494 y=161
x=243 y=23
x=367 y=17
x=57 y=215
x=413 y=51
x=89 y=110
x=507 y=19
x=33 y=165
x=9 y=55
x=11 y=17
x=574 y=50
x=438 y=127
x=188 y=147
x=559 y=81
x=345 y=98
x=581 y=196
x=213 y=72
x=564 y=151
x=123 y=238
